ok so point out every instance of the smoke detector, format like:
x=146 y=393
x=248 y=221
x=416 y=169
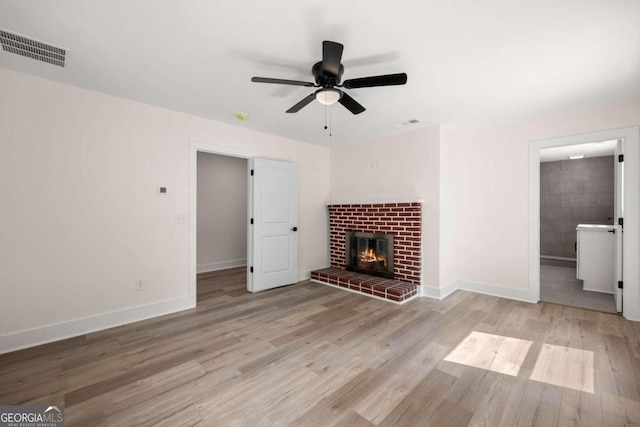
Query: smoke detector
x=31 y=48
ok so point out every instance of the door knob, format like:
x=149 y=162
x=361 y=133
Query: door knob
x=294 y=229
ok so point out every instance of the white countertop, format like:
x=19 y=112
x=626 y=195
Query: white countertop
x=594 y=227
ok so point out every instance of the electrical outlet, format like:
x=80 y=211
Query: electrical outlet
x=139 y=285
x=181 y=219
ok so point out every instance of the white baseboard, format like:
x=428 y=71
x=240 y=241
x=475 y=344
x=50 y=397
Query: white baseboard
x=214 y=266
x=438 y=293
x=597 y=290
x=631 y=317
x=557 y=258
x=480 y=288
x=495 y=290
x=73 y=328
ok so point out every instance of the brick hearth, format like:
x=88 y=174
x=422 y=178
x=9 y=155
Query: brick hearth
x=394 y=290
x=403 y=220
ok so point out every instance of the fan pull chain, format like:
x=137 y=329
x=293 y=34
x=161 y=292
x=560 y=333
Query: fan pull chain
x=325 y=116
x=330 y=123
x=327 y=107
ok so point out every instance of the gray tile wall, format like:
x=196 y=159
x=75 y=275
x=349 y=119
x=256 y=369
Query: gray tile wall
x=573 y=192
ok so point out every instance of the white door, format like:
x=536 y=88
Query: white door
x=618 y=223
x=274 y=237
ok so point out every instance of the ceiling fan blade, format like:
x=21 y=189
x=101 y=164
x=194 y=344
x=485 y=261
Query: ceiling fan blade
x=331 y=57
x=386 y=80
x=281 y=81
x=351 y=104
x=302 y=104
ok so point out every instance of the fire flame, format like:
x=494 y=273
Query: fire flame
x=370 y=256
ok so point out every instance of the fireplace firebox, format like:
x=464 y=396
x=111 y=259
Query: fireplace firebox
x=369 y=253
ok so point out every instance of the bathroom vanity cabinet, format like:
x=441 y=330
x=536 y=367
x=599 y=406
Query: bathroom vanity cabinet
x=596 y=257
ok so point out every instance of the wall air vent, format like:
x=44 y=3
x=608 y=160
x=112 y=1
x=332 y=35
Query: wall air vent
x=20 y=45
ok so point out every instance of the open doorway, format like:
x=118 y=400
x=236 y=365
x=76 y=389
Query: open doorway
x=578 y=186
x=221 y=248
x=270 y=218
x=196 y=148
x=627 y=234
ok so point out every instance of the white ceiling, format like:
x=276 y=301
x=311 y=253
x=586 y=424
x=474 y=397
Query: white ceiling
x=592 y=149
x=470 y=63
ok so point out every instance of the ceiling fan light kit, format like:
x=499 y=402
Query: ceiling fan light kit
x=327 y=74
x=328 y=96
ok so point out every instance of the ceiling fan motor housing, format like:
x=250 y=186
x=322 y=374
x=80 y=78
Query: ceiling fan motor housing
x=326 y=80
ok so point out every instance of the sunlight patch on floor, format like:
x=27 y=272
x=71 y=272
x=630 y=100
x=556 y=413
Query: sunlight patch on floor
x=566 y=367
x=557 y=365
x=495 y=353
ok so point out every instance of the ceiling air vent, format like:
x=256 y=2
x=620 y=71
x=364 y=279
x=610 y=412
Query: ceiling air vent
x=33 y=49
x=407 y=123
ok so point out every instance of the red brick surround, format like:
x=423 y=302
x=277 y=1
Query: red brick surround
x=403 y=220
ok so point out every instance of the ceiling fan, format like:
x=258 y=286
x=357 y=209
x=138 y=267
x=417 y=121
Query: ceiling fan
x=327 y=74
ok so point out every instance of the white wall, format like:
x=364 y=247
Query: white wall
x=222 y=212
x=449 y=181
x=491 y=191
x=400 y=167
x=81 y=217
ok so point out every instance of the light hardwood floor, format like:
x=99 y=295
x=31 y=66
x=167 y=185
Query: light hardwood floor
x=311 y=355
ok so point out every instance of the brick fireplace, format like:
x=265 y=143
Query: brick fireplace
x=403 y=221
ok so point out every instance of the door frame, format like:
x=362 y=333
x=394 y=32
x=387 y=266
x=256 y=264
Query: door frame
x=618 y=212
x=631 y=137
x=196 y=146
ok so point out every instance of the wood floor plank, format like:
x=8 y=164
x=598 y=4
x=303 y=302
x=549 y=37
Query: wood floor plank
x=449 y=414
x=134 y=394
x=312 y=355
x=420 y=404
x=535 y=409
x=494 y=406
x=400 y=382
x=618 y=362
x=580 y=409
x=618 y=411
x=331 y=409
x=256 y=401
